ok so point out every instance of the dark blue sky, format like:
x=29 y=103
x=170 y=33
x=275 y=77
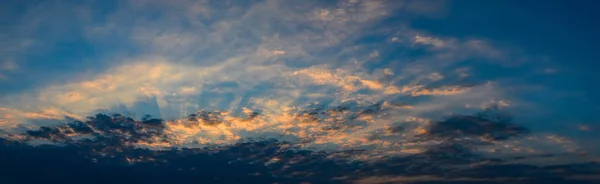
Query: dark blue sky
x=565 y=31
x=562 y=32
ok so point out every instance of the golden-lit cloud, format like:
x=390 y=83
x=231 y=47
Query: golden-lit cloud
x=233 y=68
x=281 y=115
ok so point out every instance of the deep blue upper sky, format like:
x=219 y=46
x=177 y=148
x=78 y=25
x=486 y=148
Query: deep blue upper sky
x=564 y=32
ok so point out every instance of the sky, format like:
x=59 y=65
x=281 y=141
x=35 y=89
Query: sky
x=218 y=72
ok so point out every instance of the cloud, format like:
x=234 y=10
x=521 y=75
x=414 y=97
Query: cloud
x=584 y=128
x=116 y=141
x=455 y=49
x=550 y=71
x=351 y=125
x=442 y=91
x=169 y=45
x=429 y=41
x=9 y=65
x=335 y=79
x=477 y=126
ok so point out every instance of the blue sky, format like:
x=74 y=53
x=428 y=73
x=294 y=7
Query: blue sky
x=535 y=59
x=562 y=31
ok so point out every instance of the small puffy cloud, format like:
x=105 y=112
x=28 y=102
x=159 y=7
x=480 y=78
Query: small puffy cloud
x=9 y=65
x=550 y=70
x=429 y=41
x=584 y=127
x=462 y=72
x=388 y=71
x=374 y=54
x=436 y=76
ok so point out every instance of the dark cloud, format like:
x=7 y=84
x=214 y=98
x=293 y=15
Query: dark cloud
x=253 y=162
x=206 y=117
x=116 y=129
x=489 y=124
x=338 y=117
x=109 y=155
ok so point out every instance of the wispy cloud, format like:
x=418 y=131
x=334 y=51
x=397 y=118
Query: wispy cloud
x=323 y=76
